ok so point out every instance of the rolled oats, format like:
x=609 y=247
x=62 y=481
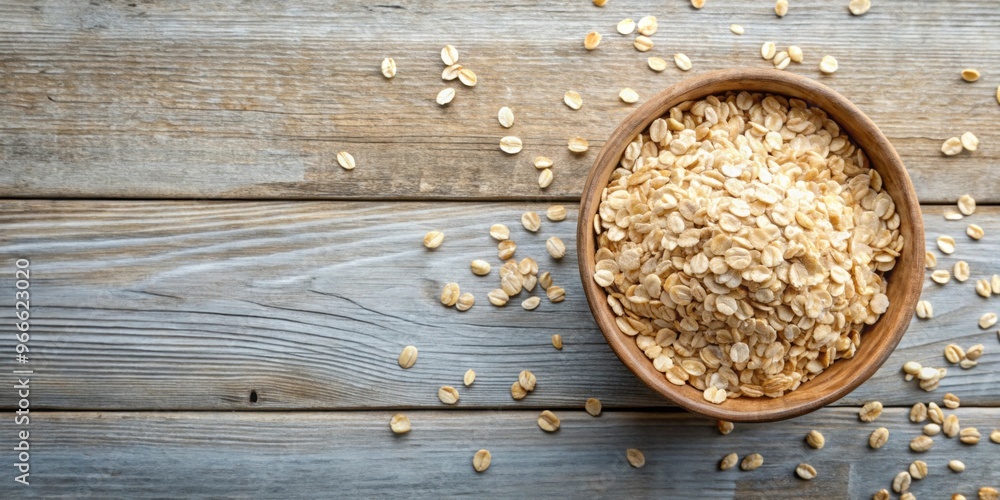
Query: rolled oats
x=408 y=357
x=932 y=429
x=956 y=465
x=724 y=426
x=467 y=77
x=527 y=380
x=499 y=232
x=548 y=421
x=878 y=438
x=970 y=74
x=781 y=8
x=498 y=297
x=510 y=144
x=961 y=271
x=974 y=231
x=969 y=435
x=506 y=249
x=921 y=443
x=642 y=43
x=465 y=302
x=346 y=160
x=859 y=7
x=870 y=411
x=399 y=423
x=647 y=25
x=545 y=178
x=950 y=427
x=987 y=320
x=573 y=99
x=449 y=55
x=756 y=282
x=805 y=471
x=752 y=461
x=481 y=460
x=969 y=141
x=966 y=204
x=626 y=26
x=555 y=294
x=736 y=29
x=828 y=65
x=682 y=61
x=628 y=95
x=450 y=293
x=506 y=117
x=445 y=96
x=729 y=461
x=635 y=458
x=951 y=146
x=593 y=406
x=901 y=483
x=557 y=341
x=578 y=145
x=768 y=50
x=433 y=239
x=517 y=392
x=388 y=67
x=815 y=440
x=925 y=310
x=918 y=413
x=592 y=40
x=448 y=395
x=657 y=63
x=556 y=213
x=941 y=276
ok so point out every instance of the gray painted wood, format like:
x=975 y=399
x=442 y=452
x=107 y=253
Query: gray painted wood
x=191 y=305
x=354 y=454
x=221 y=99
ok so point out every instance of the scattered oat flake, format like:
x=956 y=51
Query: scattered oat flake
x=987 y=320
x=578 y=145
x=465 y=302
x=859 y=7
x=499 y=232
x=506 y=117
x=805 y=471
x=925 y=310
x=399 y=423
x=752 y=461
x=449 y=55
x=467 y=77
x=657 y=63
x=952 y=146
x=449 y=295
x=682 y=61
x=698 y=4
x=388 y=67
x=941 y=276
x=510 y=144
x=573 y=99
x=647 y=25
x=557 y=341
x=736 y=29
x=974 y=231
x=961 y=271
x=600 y=3
x=448 y=395
x=451 y=72
x=642 y=43
x=445 y=96
x=828 y=64
x=878 y=438
x=729 y=461
x=408 y=357
x=542 y=162
x=969 y=141
x=469 y=378
x=545 y=178
x=481 y=460
x=768 y=50
x=556 y=213
x=970 y=74
x=548 y=421
x=966 y=204
x=781 y=8
x=626 y=26
x=433 y=239
x=592 y=40
x=593 y=406
x=870 y=411
x=815 y=440
x=635 y=458
x=531 y=303
x=946 y=244
x=346 y=160
x=795 y=53
x=628 y=95
x=724 y=426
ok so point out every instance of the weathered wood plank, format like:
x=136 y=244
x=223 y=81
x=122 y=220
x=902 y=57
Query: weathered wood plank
x=221 y=99
x=191 y=305
x=308 y=455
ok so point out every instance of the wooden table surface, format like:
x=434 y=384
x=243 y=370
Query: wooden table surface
x=217 y=306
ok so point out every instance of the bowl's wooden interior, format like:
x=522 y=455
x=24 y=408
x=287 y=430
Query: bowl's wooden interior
x=904 y=282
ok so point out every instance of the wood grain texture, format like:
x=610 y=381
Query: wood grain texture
x=904 y=290
x=220 y=99
x=312 y=455
x=191 y=305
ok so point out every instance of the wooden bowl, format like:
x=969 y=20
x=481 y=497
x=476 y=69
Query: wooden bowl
x=904 y=281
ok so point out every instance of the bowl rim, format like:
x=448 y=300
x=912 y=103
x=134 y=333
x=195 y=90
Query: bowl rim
x=608 y=158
